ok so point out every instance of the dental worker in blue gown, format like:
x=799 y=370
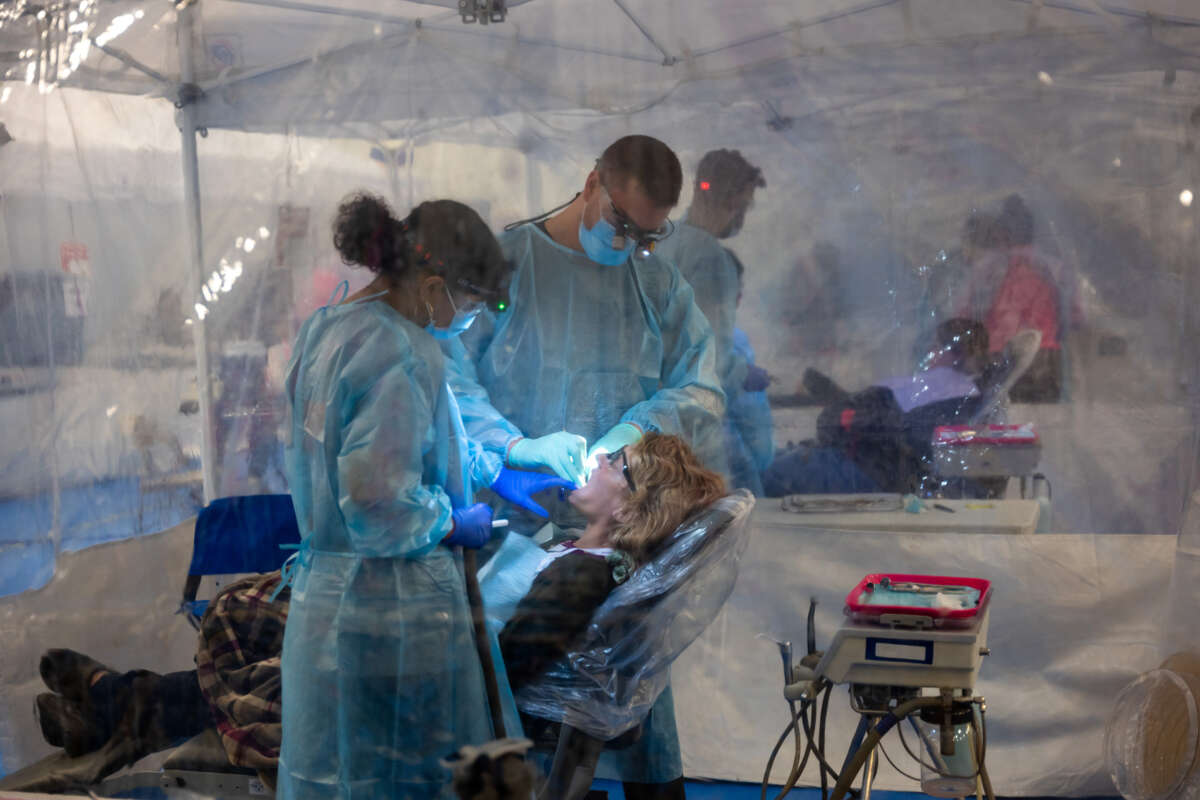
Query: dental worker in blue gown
x=603 y=342
x=381 y=677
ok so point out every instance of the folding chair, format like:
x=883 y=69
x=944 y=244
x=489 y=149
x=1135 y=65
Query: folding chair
x=598 y=695
x=238 y=535
x=234 y=535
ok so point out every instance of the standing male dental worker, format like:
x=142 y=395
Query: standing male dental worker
x=603 y=341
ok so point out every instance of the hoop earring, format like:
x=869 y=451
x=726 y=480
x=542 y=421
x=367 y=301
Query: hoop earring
x=429 y=311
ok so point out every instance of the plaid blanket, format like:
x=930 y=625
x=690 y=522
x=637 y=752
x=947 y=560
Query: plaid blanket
x=237 y=664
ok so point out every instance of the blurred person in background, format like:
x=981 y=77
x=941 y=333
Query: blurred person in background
x=723 y=193
x=748 y=427
x=1016 y=286
x=879 y=439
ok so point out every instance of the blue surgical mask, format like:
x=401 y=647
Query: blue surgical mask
x=597 y=243
x=462 y=320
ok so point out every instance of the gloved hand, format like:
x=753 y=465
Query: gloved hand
x=757 y=379
x=622 y=434
x=472 y=527
x=562 y=452
x=516 y=487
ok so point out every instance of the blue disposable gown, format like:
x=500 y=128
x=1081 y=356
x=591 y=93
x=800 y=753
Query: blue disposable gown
x=584 y=346
x=381 y=678
x=748 y=428
x=712 y=274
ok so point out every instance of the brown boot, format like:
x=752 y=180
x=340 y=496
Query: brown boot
x=64 y=724
x=69 y=673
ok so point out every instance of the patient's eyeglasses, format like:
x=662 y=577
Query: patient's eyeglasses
x=612 y=459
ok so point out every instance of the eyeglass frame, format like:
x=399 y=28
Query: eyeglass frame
x=620 y=453
x=626 y=228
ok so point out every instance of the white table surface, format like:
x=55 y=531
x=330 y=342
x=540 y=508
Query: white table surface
x=969 y=516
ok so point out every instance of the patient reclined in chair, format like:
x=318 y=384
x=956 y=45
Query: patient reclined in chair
x=241 y=634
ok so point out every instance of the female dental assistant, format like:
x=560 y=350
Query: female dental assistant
x=381 y=677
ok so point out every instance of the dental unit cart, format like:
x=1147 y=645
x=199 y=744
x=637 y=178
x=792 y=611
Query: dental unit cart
x=909 y=649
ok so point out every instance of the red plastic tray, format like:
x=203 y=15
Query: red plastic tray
x=995 y=435
x=862 y=610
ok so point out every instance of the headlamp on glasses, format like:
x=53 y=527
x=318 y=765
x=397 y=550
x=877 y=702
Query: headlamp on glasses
x=495 y=299
x=626 y=230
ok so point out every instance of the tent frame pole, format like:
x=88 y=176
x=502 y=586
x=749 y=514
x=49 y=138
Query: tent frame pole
x=195 y=229
x=1098 y=9
x=668 y=59
x=130 y=61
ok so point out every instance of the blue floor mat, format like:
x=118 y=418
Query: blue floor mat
x=93 y=514
x=723 y=790
x=712 y=790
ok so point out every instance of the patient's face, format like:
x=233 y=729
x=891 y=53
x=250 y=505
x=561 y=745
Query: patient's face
x=605 y=490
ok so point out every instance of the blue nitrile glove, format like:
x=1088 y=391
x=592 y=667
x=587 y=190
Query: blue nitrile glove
x=757 y=379
x=472 y=527
x=516 y=486
x=622 y=434
x=562 y=452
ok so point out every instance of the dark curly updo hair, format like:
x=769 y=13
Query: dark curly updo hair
x=442 y=237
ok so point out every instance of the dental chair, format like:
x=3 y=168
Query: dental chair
x=598 y=695
x=233 y=536
x=1014 y=361
x=878 y=448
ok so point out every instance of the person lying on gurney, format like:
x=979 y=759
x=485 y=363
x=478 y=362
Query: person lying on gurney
x=635 y=498
x=878 y=439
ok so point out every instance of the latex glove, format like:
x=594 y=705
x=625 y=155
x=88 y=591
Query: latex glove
x=562 y=452
x=622 y=434
x=516 y=486
x=472 y=527
x=757 y=379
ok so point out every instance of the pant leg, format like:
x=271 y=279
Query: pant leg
x=187 y=712
x=165 y=707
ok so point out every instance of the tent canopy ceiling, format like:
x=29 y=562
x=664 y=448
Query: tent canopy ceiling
x=286 y=64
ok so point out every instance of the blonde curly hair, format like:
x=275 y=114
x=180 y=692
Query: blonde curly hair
x=672 y=485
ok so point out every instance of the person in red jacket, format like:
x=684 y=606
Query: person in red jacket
x=1014 y=289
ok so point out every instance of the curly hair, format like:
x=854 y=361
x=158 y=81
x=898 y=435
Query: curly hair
x=444 y=237
x=672 y=485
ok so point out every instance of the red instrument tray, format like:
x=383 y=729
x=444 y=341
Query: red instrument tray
x=862 y=611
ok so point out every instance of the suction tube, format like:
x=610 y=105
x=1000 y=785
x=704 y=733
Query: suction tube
x=875 y=734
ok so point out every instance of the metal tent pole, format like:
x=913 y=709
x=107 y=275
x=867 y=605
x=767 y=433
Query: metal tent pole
x=191 y=199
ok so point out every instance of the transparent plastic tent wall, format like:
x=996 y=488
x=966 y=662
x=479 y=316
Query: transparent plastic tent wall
x=880 y=128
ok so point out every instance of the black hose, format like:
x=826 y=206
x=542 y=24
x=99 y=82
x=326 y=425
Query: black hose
x=895 y=766
x=798 y=763
x=873 y=736
x=812 y=628
x=819 y=750
x=482 y=643
x=779 y=746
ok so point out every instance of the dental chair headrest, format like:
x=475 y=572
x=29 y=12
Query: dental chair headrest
x=613 y=675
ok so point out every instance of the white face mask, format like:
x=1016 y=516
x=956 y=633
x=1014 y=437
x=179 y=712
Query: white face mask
x=463 y=317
